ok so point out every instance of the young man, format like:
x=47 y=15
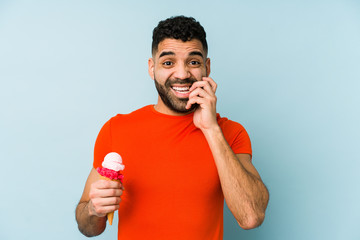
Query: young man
x=182 y=159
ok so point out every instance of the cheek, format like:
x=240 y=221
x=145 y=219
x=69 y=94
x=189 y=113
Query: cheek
x=161 y=75
x=199 y=73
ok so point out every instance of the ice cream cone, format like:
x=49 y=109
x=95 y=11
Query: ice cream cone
x=110 y=215
x=110 y=171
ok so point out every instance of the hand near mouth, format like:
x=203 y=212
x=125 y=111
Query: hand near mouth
x=203 y=93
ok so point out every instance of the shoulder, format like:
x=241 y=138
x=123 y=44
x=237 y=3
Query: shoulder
x=131 y=117
x=229 y=126
x=235 y=134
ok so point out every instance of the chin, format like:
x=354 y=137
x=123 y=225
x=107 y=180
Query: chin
x=184 y=110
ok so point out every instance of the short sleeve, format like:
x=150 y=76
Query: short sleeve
x=242 y=143
x=236 y=135
x=102 y=144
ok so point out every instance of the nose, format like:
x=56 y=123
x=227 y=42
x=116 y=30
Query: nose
x=181 y=72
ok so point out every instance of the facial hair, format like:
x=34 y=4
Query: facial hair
x=170 y=100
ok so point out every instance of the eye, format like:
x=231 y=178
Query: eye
x=194 y=62
x=167 y=63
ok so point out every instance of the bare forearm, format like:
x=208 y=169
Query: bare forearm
x=244 y=192
x=89 y=225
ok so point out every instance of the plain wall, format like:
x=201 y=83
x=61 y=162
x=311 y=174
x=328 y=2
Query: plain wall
x=288 y=71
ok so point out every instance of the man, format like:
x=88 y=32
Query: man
x=182 y=159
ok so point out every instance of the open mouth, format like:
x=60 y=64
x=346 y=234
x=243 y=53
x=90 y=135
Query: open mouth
x=182 y=89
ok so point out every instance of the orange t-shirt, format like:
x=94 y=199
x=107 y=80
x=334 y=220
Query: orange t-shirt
x=172 y=187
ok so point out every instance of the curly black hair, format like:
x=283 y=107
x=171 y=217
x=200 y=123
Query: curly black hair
x=179 y=27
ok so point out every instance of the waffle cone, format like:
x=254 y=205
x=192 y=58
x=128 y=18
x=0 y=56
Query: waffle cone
x=110 y=215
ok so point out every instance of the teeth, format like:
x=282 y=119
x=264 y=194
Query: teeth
x=181 y=89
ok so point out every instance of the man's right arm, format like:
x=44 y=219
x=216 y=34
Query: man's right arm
x=99 y=198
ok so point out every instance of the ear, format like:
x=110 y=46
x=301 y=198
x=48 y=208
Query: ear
x=151 y=68
x=207 y=64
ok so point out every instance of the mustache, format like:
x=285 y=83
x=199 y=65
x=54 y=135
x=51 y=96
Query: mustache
x=169 y=82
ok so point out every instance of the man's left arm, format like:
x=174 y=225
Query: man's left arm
x=243 y=189
x=244 y=192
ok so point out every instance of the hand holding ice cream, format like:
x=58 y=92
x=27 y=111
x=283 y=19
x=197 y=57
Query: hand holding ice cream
x=112 y=165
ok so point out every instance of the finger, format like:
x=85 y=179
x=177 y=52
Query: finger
x=101 y=210
x=211 y=82
x=104 y=193
x=204 y=85
x=110 y=193
x=198 y=84
x=109 y=209
x=110 y=201
x=97 y=207
x=106 y=184
x=198 y=100
x=199 y=92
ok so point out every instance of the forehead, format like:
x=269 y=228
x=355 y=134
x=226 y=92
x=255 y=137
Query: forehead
x=178 y=47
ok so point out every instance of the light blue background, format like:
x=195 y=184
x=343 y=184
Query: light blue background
x=289 y=71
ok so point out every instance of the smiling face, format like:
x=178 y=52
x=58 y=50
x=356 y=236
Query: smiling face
x=175 y=67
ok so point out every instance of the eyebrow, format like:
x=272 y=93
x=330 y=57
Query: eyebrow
x=194 y=53
x=166 y=53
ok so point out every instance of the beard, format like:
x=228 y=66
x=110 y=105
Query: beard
x=170 y=100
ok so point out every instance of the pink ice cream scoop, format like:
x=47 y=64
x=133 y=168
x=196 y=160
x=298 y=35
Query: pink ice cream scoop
x=112 y=165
